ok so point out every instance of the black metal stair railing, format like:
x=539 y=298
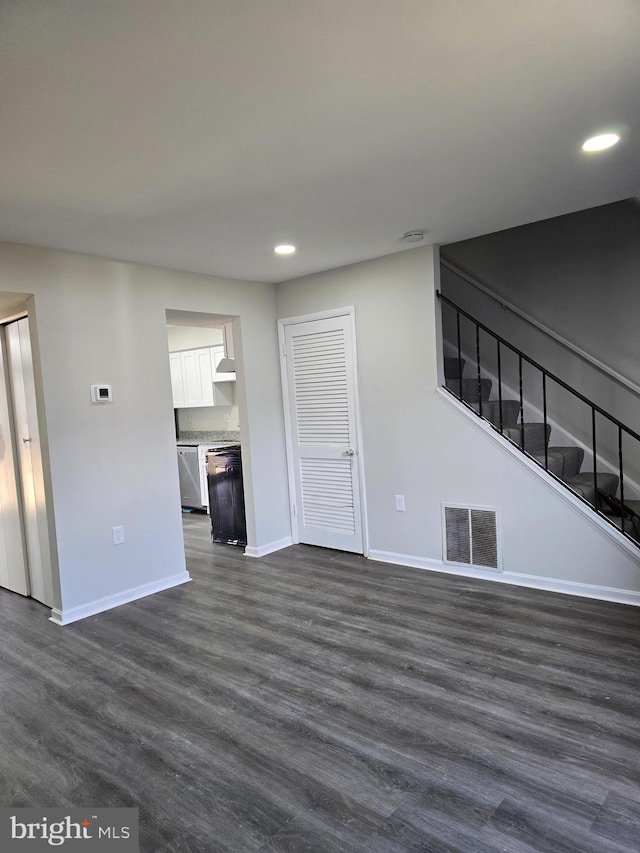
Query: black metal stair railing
x=456 y=388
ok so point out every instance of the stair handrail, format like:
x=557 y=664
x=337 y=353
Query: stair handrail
x=531 y=361
x=546 y=374
x=608 y=371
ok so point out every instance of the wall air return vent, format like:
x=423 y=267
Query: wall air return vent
x=470 y=536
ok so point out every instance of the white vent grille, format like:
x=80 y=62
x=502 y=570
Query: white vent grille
x=471 y=536
x=320 y=383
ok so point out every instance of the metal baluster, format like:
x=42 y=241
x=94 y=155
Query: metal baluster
x=521 y=404
x=544 y=417
x=479 y=377
x=459 y=356
x=621 y=478
x=499 y=383
x=595 y=461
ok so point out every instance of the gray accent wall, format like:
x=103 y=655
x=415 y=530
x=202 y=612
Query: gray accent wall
x=578 y=275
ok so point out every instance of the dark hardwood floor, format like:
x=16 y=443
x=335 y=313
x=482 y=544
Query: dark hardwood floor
x=314 y=701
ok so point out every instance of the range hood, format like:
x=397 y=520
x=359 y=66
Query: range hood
x=228 y=363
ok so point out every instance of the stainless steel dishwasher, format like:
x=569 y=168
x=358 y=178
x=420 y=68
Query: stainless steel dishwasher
x=189 y=473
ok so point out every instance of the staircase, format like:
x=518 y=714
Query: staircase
x=466 y=381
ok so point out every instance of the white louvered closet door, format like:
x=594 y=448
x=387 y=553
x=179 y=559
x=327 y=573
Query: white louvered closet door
x=321 y=382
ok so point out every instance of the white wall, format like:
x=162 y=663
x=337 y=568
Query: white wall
x=418 y=444
x=104 y=321
x=192 y=337
x=208 y=419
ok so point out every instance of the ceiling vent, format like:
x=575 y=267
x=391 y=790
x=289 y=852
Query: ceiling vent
x=470 y=536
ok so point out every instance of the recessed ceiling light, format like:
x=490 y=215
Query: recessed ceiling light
x=599 y=143
x=284 y=250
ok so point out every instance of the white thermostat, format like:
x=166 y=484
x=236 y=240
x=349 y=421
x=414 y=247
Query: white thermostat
x=101 y=394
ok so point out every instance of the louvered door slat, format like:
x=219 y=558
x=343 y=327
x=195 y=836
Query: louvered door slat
x=317 y=372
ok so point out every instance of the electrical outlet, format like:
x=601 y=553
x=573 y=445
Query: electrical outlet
x=118 y=534
x=227 y=418
x=399 y=503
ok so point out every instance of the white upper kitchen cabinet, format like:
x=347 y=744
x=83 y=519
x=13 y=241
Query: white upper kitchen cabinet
x=177 y=380
x=194 y=380
x=205 y=376
x=191 y=375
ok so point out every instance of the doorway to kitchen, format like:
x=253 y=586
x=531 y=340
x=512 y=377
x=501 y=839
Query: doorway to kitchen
x=322 y=425
x=206 y=415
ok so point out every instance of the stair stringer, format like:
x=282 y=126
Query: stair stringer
x=632 y=488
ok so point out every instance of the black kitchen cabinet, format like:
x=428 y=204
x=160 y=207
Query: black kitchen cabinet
x=226 y=496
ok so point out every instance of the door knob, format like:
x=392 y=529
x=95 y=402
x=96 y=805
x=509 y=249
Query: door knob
x=26 y=440
x=349 y=452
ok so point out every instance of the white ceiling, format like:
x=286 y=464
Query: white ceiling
x=197 y=134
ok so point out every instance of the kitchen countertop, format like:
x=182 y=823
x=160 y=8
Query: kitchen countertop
x=212 y=445
x=230 y=436
x=213 y=439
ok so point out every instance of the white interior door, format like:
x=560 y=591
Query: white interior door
x=13 y=564
x=31 y=473
x=321 y=381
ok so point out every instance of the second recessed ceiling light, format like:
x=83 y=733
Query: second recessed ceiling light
x=600 y=142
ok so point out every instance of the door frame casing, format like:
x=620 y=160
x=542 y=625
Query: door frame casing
x=283 y=322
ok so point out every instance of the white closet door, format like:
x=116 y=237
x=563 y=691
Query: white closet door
x=30 y=460
x=13 y=563
x=321 y=384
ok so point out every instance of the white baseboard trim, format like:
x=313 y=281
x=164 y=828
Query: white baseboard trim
x=269 y=548
x=583 y=590
x=74 y=614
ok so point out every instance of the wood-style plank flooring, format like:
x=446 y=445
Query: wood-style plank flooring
x=314 y=701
